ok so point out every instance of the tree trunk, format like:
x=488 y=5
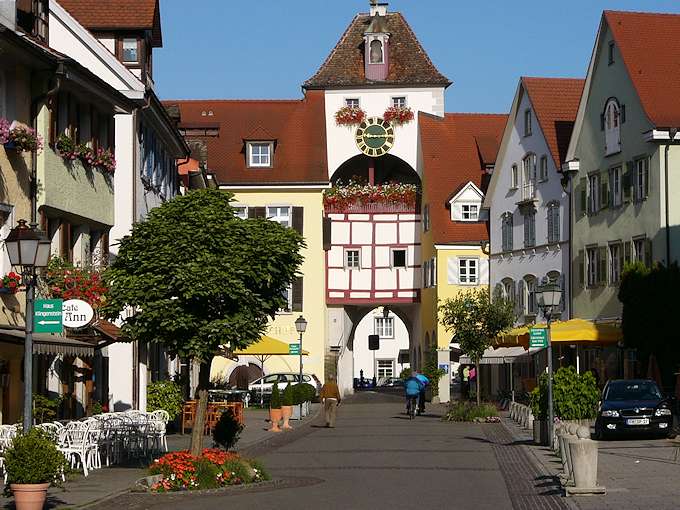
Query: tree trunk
x=479 y=395
x=199 y=419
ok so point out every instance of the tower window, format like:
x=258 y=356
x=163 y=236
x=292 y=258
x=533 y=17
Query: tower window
x=130 y=53
x=376 y=54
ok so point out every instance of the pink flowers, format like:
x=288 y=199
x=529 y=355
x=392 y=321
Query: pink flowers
x=4 y=131
x=101 y=158
x=21 y=137
x=341 y=197
x=349 y=116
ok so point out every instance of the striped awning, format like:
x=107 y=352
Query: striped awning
x=45 y=343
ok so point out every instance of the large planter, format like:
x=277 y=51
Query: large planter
x=541 y=432
x=287 y=412
x=29 y=496
x=296 y=410
x=275 y=416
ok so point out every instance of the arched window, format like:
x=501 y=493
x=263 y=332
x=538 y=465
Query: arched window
x=612 y=126
x=376 y=54
x=508 y=289
x=506 y=231
x=553 y=222
x=530 y=307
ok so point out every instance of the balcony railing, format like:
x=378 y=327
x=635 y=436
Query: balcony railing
x=371 y=208
x=364 y=198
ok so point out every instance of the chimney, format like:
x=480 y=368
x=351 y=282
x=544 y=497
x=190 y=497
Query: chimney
x=379 y=8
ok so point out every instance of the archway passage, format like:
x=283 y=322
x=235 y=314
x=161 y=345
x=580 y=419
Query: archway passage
x=382 y=170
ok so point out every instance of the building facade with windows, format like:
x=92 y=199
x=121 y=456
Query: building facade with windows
x=527 y=205
x=619 y=158
x=458 y=154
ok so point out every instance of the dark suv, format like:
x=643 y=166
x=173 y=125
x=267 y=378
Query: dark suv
x=630 y=406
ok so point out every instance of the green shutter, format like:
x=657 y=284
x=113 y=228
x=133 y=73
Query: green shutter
x=582 y=268
x=627 y=181
x=602 y=265
x=604 y=190
x=648 y=252
x=627 y=252
x=297 y=294
x=298 y=219
x=583 y=192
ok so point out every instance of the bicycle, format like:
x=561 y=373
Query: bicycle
x=412 y=406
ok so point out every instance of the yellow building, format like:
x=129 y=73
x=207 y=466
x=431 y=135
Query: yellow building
x=458 y=154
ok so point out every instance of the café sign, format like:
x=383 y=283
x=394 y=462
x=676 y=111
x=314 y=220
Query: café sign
x=76 y=313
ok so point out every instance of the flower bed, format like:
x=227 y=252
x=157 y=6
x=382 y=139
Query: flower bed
x=366 y=196
x=20 y=137
x=10 y=283
x=101 y=158
x=349 y=116
x=398 y=115
x=214 y=468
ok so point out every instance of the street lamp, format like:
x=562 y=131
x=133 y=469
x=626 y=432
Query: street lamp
x=301 y=327
x=548 y=296
x=28 y=248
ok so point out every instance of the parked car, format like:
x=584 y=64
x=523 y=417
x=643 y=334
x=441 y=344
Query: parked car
x=266 y=383
x=391 y=382
x=633 y=406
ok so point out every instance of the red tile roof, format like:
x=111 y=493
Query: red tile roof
x=117 y=15
x=297 y=126
x=649 y=45
x=555 y=102
x=452 y=157
x=408 y=61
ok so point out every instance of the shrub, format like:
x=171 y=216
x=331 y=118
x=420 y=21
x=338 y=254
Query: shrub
x=288 y=396
x=467 y=411
x=575 y=396
x=165 y=395
x=303 y=393
x=275 y=401
x=45 y=409
x=34 y=458
x=405 y=373
x=227 y=431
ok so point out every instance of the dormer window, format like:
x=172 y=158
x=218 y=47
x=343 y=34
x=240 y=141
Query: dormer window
x=376 y=53
x=467 y=203
x=130 y=51
x=470 y=212
x=260 y=154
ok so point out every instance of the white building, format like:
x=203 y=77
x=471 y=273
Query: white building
x=527 y=206
x=117 y=46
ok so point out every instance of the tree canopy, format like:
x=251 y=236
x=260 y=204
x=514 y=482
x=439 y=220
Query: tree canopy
x=475 y=320
x=194 y=277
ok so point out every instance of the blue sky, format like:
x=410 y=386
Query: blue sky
x=267 y=48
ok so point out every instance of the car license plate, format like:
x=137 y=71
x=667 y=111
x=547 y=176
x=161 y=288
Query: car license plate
x=637 y=421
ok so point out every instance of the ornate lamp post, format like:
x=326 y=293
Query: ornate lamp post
x=28 y=248
x=301 y=327
x=548 y=296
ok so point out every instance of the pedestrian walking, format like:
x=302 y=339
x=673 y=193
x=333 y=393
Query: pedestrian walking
x=330 y=398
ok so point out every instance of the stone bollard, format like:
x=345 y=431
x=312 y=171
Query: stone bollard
x=530 y=419
x=583 y=453
x=523 y=421
x=512 y=410
x=562 y=436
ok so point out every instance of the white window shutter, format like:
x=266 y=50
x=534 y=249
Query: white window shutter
x=456 y=211
x=484 y=271
x=452 y=271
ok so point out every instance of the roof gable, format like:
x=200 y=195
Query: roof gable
x=298 y=126
x=117 y=15
x=648 y=44
x=451 y=160
x=409 y=64
x=466 y=192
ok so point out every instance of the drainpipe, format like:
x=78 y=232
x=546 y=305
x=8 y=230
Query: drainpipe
x=671 y=133
x=59 y=73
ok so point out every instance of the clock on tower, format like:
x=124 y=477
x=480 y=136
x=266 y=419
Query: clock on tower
x=375 y=137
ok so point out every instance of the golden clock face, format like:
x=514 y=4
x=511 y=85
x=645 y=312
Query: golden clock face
x=375 y=137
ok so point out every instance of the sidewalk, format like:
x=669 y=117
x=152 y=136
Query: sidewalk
x=109 y=482
x=638 y=474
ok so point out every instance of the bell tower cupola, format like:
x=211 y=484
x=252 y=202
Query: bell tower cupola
x=376 y=40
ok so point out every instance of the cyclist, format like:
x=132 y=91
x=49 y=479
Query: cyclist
x=421 y=396
x=412 y=387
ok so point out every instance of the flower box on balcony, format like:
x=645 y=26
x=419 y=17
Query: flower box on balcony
x=382 y=198
x=349 y=116
x=19 y=137
x=398 y=115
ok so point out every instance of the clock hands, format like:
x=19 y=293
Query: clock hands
x=369 y=135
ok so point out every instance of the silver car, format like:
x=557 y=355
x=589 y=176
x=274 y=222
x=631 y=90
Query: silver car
x=266 y=383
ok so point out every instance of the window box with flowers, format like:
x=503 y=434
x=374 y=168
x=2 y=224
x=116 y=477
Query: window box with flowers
x=349 y=116
x=398 y=115
x=357 y=197
x=19 y=137
x=101 y=158
x=63 y=280
x=10 y=283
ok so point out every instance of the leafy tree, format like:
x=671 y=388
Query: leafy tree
x=165 y=395
x=475 y=320
x=197 y=279
x=649 y=298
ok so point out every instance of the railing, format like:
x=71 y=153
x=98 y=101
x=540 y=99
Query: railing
x=529 y=190
x=372 y=208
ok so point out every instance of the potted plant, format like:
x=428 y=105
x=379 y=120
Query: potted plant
x=287 y=406
x=23 y=138
x=9 y=284
x=275 y=413
x=349 y=116
x=66 y=147
x=33 y=462
x=398 y=115
x=539 y=409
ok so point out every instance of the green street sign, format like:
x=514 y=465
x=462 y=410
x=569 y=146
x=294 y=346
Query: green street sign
x=538 y=337
x=47 y=316
x=294 y=349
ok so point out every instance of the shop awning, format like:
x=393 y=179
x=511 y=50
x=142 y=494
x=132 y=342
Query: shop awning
x=571 y=332
x=45 y=343
x=267 y=346
x=498 y=356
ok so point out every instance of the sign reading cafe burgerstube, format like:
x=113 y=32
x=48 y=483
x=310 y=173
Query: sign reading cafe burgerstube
x=375 y=136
